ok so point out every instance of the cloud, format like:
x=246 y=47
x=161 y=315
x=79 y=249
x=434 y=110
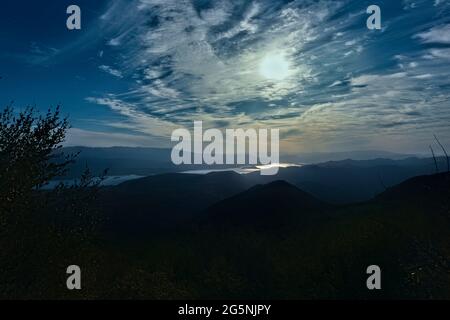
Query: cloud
x=135 y=119
x=200 y=67
x=194 y=60
x=440 y=34
x=39 y=54
x=80 y=137
x=438 y=53
x=245 y=25
x=111 y=71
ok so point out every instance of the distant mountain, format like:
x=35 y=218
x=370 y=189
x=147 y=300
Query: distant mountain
x=271 y=206
x=126 y=161
x=316 y=157
x=406 y=162
x=349 y=180
x=148 y=161
x=120 y=160
x=171 y=198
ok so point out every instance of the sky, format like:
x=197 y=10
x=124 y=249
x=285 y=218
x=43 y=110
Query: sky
x=139 y=69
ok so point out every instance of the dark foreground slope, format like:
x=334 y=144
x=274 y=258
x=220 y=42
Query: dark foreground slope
x=266 y=250
x=273 y=241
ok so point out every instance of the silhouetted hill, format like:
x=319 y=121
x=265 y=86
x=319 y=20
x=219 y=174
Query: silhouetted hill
x=274 y=205
x=422 y=187
x=340 y=182
x=172 y=198
x=349 y=181
x=167 y=199
x=265 y=241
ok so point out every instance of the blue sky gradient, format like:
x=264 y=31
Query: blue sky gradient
x=138 y=69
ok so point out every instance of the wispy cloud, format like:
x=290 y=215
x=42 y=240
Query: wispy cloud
x=135 y=120
x=38 y=54
x=111 y=71
x=80 y=137
x=440 y=34
x=192 y=60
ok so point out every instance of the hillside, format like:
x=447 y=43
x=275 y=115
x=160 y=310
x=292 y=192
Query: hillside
x=272 y=206
x=167 y=199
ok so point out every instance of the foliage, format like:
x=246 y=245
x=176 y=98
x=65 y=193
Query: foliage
x=39 y=225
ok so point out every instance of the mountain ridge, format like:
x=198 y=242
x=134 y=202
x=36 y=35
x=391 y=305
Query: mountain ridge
x=269 y=206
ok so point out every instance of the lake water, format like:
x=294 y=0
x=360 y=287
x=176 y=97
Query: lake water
x=244 y=170
x=109 y=181
x=115 y=180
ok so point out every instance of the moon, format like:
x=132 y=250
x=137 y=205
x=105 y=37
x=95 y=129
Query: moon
x=274 y=66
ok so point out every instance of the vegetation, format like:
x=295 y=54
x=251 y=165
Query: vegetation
x=318 y=251
x=39 y=228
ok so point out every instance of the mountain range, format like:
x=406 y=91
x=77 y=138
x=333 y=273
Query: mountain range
x=164 y=200
x=147 y=161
